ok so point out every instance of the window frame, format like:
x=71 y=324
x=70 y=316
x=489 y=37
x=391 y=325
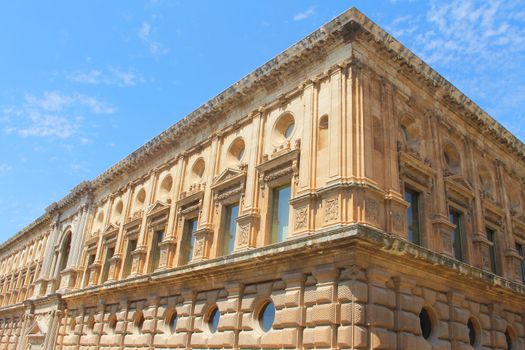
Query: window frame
x=461 y=226
x=419 y=196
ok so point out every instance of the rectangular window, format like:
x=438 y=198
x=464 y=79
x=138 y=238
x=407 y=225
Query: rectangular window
x=132 y=245
x=229 y=226
x=280 y=213
x=521 y=252
x=158 y=237
x=491 y=237
x=105 y=270
x=188 y=239
x=456 y=219
x=91 y=260
x=412 y=197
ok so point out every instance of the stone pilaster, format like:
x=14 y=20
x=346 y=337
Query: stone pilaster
x=320 y=301
x=380 y=309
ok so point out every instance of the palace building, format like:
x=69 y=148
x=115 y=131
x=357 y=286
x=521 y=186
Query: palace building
x=344 y=195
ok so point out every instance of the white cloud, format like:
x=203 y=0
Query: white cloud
x=479 y=46
x=53 y=114
x=154 y=47
x=5 y=168
x=110 y=76
x=304 y=14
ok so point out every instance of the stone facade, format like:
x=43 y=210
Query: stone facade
x=349 y=122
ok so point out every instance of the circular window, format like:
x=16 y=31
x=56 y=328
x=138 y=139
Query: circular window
x=425 y=323
x=198 y=168
x=284 y=127
x=452 y=160
x=323 y=122
x=172 y=322
x=100 y=217
x=90 y=324
x=112 y=322
x=119 y=207
x=139 y=322
x=213 y=320
x=236 y=150
x=267 y=316
x=508 y=339
x=72 y=325
x=472 y=332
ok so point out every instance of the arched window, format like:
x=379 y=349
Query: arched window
x=452 y=160
x=198 y=169
x=64 y=252
x=284 y=127
x=165 y=188
x=236 y=151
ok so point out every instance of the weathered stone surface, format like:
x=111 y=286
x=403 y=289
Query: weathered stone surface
x=351 y=121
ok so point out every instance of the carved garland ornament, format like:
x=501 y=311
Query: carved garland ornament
x=331 y=209
x=199 y=247
x=372 y=209
x=301 y=218
x=244 y=235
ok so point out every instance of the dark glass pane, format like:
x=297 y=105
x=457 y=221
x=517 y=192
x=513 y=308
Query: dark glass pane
x=188 y=240
x=492 y=250
x=455 y=218
x=519 y=248
x=412 y=197
x=267 y=316
x=105 y=270
x=173 y=323
x=132 y=245
x=425 y=323
x=213 y=321
x=280 y=213
x=471 y=333
x=230 y=226
x=158 y=237
x=508 y=340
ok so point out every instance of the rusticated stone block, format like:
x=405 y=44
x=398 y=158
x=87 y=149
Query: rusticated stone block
x=458 y=331
x=382 y=296
x=309 y=295
x=246 y=321
x=248 y=301
x=379 y=316
x=442 y=330
x=249 y=339
x=348 y=291
x=110 y=339
x=288 y=317
x=353 y=313
x=148 y=326
x=382 y=339
x=228 y=321
x=442 y=310
x=348 y=336
x=410 y=303
x=292 y=298
x=324 y=294
x=222 y=339
x=318 y=336
x=409 y=322
x=460 y=315
x=184 y=324
x=322 y=314
x=282 y=338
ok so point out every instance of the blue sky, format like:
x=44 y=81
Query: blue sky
x=84 y=83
